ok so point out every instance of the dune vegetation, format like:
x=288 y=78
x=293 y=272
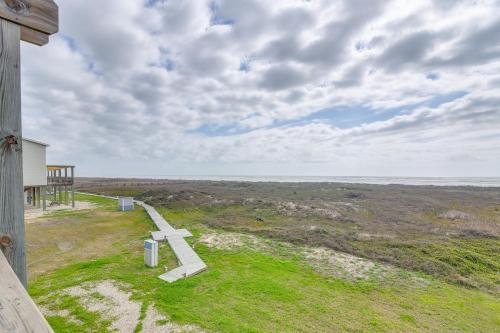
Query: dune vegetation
x=96 y=281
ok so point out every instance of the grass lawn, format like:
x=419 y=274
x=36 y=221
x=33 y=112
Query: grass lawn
x=243 y=290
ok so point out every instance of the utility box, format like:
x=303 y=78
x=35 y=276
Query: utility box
x=151 y=253
x=126 y=204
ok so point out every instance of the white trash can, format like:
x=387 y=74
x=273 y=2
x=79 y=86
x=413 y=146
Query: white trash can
x=151 y=253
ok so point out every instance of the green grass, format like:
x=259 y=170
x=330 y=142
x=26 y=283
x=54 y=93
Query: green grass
x=471 y=261
x=467 y=261
x=56 y=240
x=250 y=291
x=104 y=203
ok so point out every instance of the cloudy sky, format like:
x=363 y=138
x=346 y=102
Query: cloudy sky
x=282 y=87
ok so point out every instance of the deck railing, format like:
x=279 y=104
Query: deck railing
x=18 y=312
x=59 y=181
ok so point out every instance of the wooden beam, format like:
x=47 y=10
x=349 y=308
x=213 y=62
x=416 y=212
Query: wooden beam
x=34 y=36
x=40 y=15
x=11 y=167
x=18 y=313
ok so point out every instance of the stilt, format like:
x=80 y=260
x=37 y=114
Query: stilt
x=66 y=201
x=73 y=187
x=39 y=197
x=44 y=198
x=60 y=187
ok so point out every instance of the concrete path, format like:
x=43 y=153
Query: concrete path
x=189 y=262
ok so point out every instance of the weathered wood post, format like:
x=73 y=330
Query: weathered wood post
x=44 y=198
x=66 y=186
x=39 y=196
x=73 y=186
x=32 y=21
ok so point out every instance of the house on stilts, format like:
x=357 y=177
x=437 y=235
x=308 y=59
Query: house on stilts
x=45 y=185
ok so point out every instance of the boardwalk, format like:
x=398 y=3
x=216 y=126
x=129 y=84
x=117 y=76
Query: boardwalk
x=189 y=262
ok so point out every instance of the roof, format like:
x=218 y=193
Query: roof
x=36 y=142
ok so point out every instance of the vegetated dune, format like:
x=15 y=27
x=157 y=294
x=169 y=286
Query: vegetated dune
x=89 y=276
x=452 y=233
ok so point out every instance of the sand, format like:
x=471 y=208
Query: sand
x=31 y=213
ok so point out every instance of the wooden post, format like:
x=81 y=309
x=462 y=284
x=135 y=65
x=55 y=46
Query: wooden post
x=39 y=197
x=65 y=186
x=59 y=179
x=32 y=21
x=11 y=169
x=73 y=186
x=44 y=198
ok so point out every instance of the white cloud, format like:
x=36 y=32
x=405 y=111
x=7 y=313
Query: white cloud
x=197 y=86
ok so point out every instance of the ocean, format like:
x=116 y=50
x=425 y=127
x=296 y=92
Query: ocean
x=436 y=181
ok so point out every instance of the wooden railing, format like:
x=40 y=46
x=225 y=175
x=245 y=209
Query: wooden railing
x=60 y=181
x=18 y=312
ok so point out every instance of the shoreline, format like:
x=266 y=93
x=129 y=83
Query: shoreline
x=441 y=182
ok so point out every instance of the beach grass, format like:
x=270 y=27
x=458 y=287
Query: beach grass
x=244 y=290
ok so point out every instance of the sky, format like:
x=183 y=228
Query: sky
x=255 y=87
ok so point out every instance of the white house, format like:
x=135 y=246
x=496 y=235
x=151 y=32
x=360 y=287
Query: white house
x=34 y=170
x=44 y=182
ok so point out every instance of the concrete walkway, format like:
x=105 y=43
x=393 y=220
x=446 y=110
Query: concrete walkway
x=189 y=262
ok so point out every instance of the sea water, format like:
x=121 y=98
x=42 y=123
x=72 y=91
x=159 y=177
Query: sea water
x=436 y=181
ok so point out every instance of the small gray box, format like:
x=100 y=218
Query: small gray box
x=150 y=253
x=126 y=204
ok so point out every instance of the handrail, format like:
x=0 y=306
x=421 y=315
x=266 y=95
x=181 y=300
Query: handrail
x=18 y=312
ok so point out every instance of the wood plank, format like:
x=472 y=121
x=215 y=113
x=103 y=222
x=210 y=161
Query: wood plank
x=18 y=312
x=34 y=36
x=41 y=15
x=11 y=168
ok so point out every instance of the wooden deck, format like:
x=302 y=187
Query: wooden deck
x=18 y=313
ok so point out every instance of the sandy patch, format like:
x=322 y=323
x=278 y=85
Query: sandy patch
x=295 y=209
x=468 y=224
x=455 y=215
x=368 y=236
x=324 y=260
x=344 y=265
x=115 y=304
x=65 y=245
x=112 y=301
x=31 y=213
x=231 y=240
